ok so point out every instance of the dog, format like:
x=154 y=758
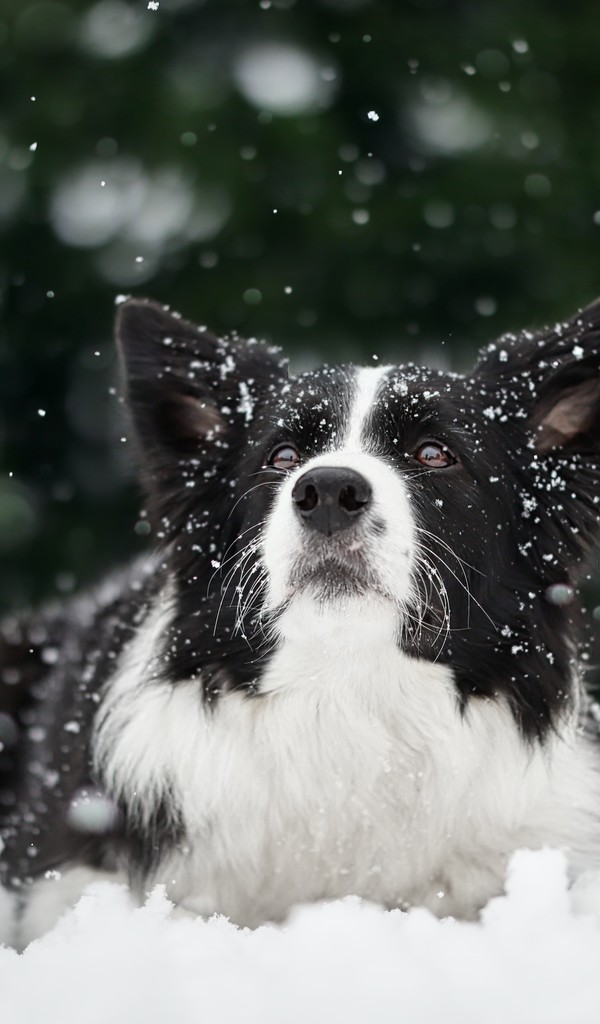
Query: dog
x=352 y=663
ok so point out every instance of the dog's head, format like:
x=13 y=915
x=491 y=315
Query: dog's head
x=466 y=504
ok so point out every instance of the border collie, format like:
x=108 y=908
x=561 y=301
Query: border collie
x=352 y=662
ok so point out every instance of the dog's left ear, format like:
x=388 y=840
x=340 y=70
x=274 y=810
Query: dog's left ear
x=550 y=379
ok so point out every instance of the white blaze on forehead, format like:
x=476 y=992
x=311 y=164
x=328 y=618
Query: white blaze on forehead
x=368 y=381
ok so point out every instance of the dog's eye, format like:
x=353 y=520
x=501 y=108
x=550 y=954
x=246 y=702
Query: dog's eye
x=284 y=458
x=434 y=455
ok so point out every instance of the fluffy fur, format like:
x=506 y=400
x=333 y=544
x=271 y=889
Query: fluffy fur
x=351 y=663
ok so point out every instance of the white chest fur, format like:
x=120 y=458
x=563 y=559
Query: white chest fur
x=353 y=772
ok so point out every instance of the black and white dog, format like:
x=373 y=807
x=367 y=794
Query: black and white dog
x=351 y=664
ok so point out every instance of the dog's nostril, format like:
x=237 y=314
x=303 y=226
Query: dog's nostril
x=351 y=500
x=309 y=499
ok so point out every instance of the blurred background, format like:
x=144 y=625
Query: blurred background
x=343 y=177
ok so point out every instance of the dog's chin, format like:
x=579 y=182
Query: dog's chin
x=330 y=580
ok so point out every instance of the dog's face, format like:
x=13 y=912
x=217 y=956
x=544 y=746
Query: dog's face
x=341 y=522
x=376 y=499
x=462 y=503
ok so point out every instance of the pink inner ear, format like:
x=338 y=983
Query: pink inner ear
x=195 y=418
x=572 y=414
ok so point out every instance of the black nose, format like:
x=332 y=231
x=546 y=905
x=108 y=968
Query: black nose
x=330 y=499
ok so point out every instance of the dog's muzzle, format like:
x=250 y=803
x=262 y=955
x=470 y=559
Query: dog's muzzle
x=331 y=499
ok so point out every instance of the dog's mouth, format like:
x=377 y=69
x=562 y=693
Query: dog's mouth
x=332 y=576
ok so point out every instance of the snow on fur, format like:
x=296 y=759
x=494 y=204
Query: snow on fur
x=530 y=958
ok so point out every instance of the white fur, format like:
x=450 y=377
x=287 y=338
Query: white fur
x=355 y=774
x=368 y=382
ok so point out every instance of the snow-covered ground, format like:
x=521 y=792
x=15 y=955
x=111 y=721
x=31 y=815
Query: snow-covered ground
x=530 y=959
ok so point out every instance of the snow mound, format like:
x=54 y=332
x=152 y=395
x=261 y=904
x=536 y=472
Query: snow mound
x=531 y=958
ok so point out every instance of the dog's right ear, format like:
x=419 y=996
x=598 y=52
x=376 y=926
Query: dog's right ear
x=191 y=394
